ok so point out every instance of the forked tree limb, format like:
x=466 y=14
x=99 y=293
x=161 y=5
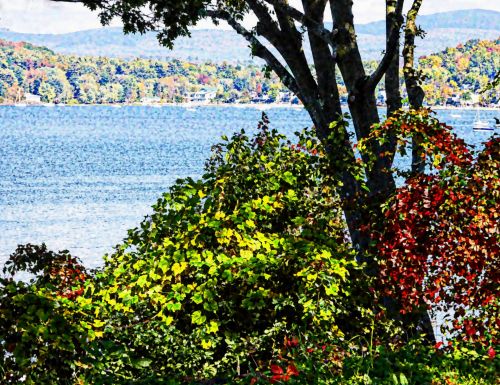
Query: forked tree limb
x=260 y=50
x=392 y=47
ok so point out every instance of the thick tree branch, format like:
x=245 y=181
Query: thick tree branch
x=411 y=77
x=392 y=77
x=288 y=41
x=324 y=60
x=392 y=47
x=312 y=25
x=258 y=49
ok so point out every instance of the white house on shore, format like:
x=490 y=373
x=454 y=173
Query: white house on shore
x=151 y=100
x=32 y=99
x=205 y=95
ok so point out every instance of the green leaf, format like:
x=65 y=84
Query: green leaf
x=197 y=318
x=289 y=178
x=141 y=363
x=142 y=281
x=197 y=298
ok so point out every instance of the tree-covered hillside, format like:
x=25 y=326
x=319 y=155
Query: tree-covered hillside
x=455 y=75
x=25 y=68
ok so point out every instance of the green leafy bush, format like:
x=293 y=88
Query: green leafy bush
x=226 y=266
x=41 y=340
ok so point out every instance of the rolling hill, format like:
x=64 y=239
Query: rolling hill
x=456 y=74
x=443 y=30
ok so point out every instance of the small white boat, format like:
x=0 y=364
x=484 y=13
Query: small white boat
x=456 y=116
x=481 y=125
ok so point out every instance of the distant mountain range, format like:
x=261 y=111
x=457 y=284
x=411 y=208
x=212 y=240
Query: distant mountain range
x=443 y=30
x=479 y=19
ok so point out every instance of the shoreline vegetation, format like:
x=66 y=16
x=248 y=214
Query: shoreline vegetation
x=361 y=251
x=36 y=75
x=260 y=106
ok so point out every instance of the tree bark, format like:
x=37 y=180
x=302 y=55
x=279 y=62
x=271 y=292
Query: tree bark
x=416 y=95
x=415 y=92
x=362 y=103
x=392 y=85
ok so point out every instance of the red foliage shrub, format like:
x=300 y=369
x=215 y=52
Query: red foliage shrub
x=440 y=243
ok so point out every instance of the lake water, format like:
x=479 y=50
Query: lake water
x=77 y=178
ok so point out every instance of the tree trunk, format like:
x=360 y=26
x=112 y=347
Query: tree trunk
x=415 y=93
x=392 y=86
x=362 y=102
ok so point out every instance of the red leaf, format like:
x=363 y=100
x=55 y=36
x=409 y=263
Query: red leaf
x=276 y=369
x=292 y=370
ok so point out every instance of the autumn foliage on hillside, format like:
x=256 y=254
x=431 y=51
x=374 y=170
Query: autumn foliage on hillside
x=24 y=68
x=440 y=246
x=461 y=72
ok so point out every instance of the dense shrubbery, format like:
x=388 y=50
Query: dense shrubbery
x=227 y=266
x=440 y=246
x=41 y=339
x=247 y=276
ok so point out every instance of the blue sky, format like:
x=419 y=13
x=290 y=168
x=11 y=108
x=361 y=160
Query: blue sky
x=43 y=16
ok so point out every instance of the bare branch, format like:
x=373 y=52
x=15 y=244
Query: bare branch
x=315 y=27
x=392 y=48
x=258 y=49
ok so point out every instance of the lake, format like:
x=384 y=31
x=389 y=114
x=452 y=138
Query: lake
x=77 y=178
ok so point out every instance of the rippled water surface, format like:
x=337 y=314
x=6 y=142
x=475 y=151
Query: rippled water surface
x=78 y=177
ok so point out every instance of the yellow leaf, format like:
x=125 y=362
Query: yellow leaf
x=246 y=254
x=219 y=215
x=206 y=344
x=178 y=268
x=250 y=223
x=214 y=327
x=325 y=255
x=99 y=323
x=332 y=290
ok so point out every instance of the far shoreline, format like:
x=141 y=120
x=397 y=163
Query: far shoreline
x=259 y=106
